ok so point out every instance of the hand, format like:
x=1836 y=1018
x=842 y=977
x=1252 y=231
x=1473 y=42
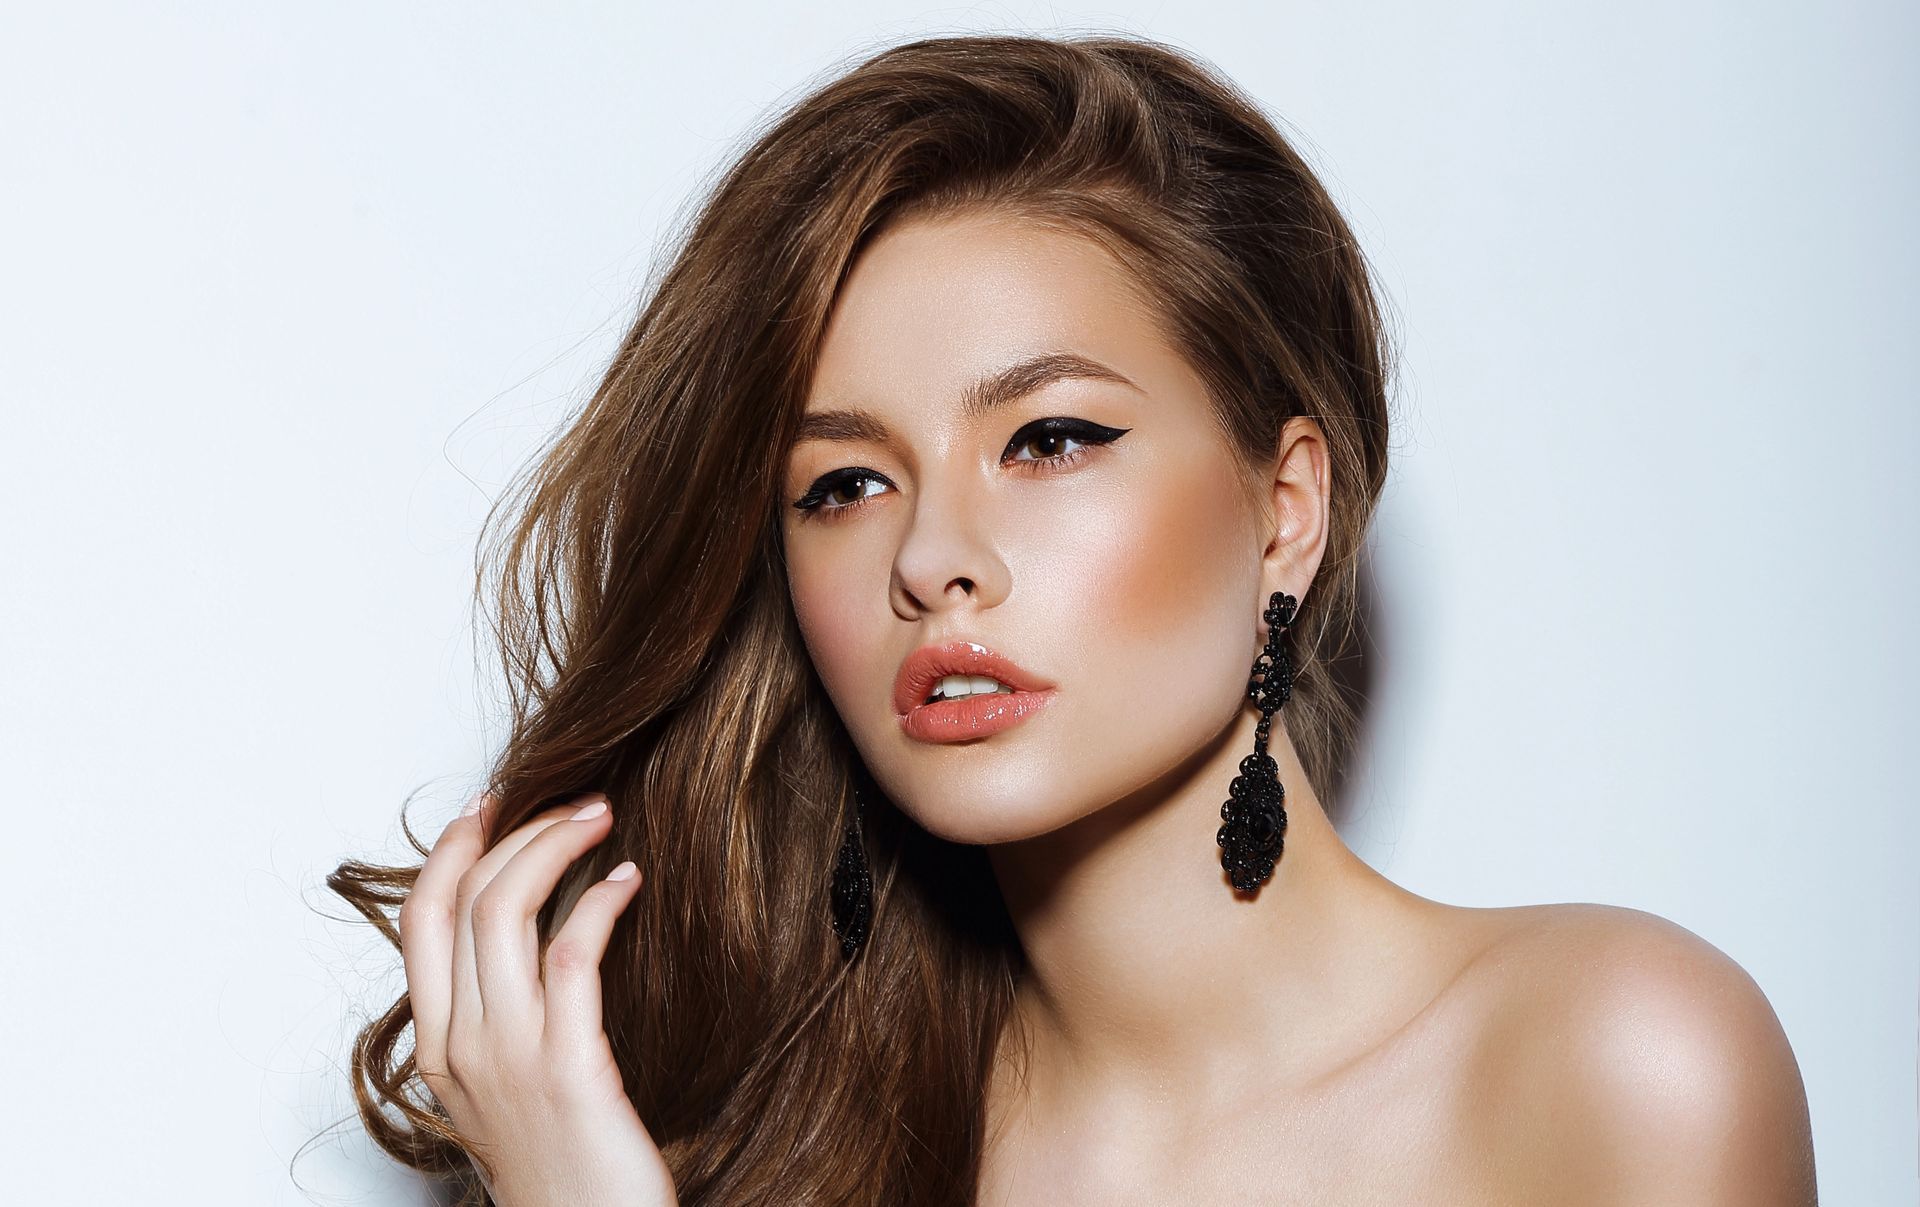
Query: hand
x=512 y=1045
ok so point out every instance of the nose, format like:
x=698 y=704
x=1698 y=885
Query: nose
x=947 y=556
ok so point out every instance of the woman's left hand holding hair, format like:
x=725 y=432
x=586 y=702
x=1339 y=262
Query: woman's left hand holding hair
x=510 y=1039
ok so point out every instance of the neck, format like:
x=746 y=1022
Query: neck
x=1145 y=969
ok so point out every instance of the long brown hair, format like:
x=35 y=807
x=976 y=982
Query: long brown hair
x=651 y=651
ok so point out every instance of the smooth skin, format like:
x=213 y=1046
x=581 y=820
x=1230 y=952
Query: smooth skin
x=511 y=1042
x=1335 y=1039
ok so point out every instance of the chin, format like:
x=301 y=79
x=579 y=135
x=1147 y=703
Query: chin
x=1004 y=801
x=978 y=821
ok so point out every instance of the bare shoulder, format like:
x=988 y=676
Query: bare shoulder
x=1620 y=1057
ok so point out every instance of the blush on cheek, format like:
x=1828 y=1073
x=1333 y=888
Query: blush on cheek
x=1186 y=564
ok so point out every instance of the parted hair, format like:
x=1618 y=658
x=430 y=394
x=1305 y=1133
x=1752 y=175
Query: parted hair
x=634 y=585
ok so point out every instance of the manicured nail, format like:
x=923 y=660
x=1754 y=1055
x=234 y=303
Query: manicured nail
x=473 y=806
x=624 y=872
x=593 y=810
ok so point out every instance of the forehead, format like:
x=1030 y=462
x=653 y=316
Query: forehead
x=932 y=304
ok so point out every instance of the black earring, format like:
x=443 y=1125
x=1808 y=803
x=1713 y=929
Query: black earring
x=852 y=885
x=1255 y=828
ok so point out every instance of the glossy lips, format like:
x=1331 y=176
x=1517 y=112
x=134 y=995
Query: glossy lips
x=975 y=716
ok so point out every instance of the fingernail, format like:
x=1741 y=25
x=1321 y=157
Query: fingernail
x=593 y=810
x=473 y=806
x=624 y=872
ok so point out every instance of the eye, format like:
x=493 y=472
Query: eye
x=1052 y=434
x=826 y=500
x=815 y=500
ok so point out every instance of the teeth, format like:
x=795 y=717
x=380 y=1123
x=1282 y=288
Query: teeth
x=953 y=687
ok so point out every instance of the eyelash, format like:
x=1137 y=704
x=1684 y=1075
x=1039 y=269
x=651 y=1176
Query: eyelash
x=812 y=505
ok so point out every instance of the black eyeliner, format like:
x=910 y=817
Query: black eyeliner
x=1084 y=430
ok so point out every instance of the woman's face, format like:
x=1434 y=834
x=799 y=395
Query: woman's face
x=1082 y=518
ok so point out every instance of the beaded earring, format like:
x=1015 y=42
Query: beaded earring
x=852 y=885
x=1255 y=813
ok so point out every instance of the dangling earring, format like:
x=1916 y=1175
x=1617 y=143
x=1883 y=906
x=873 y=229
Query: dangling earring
x=852 y=885
x=1255 y=829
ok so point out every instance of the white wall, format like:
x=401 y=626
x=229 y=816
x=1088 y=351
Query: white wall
x=286 y=291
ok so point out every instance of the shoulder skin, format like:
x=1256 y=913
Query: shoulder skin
x=1624 y=1059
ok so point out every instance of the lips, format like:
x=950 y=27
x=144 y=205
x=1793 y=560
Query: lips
x=929 y=664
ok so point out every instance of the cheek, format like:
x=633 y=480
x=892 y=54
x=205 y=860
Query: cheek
x=1189 y=563
x=1167 y=562
x=1157 y=603
x=838 y=633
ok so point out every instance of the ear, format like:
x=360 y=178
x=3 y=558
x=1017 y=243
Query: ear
x=1298 y=494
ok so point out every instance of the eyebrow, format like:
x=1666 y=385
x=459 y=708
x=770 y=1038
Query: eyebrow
x=995 y=390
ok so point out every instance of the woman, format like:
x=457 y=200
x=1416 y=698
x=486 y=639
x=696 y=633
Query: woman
x=928 y=629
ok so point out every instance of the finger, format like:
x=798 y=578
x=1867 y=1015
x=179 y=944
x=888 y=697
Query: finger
x=427 y=933
x=466 y=968
x=572 y=962
x=505 y=927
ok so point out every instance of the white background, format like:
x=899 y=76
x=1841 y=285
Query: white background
x=288 y=291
